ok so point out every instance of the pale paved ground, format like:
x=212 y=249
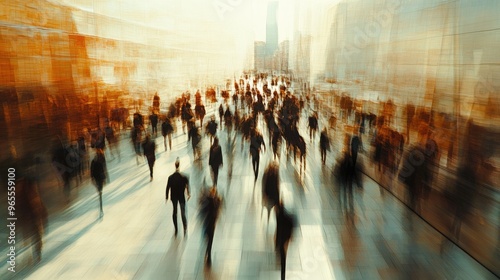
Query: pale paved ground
x=382 y=239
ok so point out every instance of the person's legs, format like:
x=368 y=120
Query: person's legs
x=174 y=214
x=210 y=240
x=100 y=204
x=282 y=249
x=183 y=215
x=99 y=190
x=151 y=164
x=37 y=244
x=255 y=165
x=216 y=175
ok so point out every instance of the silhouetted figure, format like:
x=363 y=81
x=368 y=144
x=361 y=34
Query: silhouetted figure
x=324 y=145
x=30 y=210
x=156 y=102
x=166 y=130
x=299 y=146
x=98 y=140
x=186 y=114
x=464 y=195
x=221 y=114
x=270 y=187
x=313 y=125
x=345 y=171
x=99 y=175
x=138 y=119
x=256 y=141
x=149 y=148
x=433 y=157
x=276 y=141
x=62 y=163
x=153 y=119
x=215 y=160
x=112 y=141
x=136 y=137
x=355 y=147
x=200 y=112
x=285 y=224
x=210 y=206
x=177 y=185
x=195 y=138
x=228 y=120
x=414 y=174
x=211 y=128
x=84 y=161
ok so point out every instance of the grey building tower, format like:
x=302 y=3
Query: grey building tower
x=272 y=28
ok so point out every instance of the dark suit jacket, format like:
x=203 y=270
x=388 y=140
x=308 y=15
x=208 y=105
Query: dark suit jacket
x=215 y=159
x=177 y=183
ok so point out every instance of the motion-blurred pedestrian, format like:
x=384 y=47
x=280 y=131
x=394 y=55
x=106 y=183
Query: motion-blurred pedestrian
x=166 y=130
x=256 y=141
x=177 y=185
x=210 y=206
x=215 y=160
x=149 y=151
x=99 y=174
x=324 y=145
x=285 y=223
x=270 y=188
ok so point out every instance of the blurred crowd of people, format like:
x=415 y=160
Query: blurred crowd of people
x=265 y=114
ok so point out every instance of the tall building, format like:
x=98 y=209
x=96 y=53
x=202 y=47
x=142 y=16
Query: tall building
x=272 y=28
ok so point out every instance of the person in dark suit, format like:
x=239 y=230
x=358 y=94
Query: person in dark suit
x=153 y=119
x=355 y=147
x=210 y=205
x=195 y=138
x=211 y=128
x=148 y=148
x=324 y=145
x=256 y=141
x=99 y=174
x=313 y=125
x=177 y=185
x=270 y=187
x=285 y=223
x=166 y=130
x=215 y=159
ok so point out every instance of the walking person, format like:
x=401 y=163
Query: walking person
x=112 y=141
x=210 y=205
x=177 y=185
x=324 y=145
x=356 y=146
x=270 y=188
x=256 y=141
x=149 y=148
x=215 y=160
x=195 y=138
x=313 y=125
x=285 y=222
x=31 y=211
x=221 y=114
x=211 y=129
x=99 y=174
x=166 y=130
x=153 y=119
x=136 y=137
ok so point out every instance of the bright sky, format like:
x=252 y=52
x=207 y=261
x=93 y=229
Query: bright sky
x=248 y=16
